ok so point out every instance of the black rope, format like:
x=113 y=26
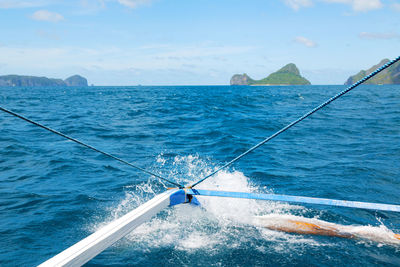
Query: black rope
x=301 y=118
x=88 y=146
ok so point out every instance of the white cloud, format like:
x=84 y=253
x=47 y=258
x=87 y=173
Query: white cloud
x=366 y=5
x=357 y=5
x=45 y=15
x=374 y=36
x=22 y=4
x=25 y=59
x=396 y=6
x=93 y=4
x=297 y=4
x=90 y=7
x=87 y=5
x=201 y=51
x=304 y=41
x=134 y=3
x=360 y=5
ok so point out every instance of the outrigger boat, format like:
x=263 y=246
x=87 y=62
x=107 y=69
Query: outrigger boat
x=88 y=248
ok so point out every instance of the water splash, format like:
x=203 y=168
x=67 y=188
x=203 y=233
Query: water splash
x=221 y=223
x=216 y=224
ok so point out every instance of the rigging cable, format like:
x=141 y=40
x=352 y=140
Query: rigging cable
x=299 y=119
x=89 y=146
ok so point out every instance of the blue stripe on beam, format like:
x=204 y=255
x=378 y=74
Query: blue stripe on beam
x=181 y=197
x=296 y=199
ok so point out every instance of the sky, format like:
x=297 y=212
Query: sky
x=203 y=42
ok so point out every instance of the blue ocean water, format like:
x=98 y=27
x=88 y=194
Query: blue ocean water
x=54 y=193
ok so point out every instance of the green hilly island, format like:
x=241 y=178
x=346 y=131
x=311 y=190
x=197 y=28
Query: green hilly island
x=288 y=75
x=390 y=75
x=33 y=81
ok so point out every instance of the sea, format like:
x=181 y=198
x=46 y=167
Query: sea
x=53 y=192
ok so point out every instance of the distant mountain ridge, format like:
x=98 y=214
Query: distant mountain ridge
x=22 y=80
x=287 y=75
x=390 y=75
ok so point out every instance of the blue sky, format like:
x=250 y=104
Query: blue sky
x=184 y=42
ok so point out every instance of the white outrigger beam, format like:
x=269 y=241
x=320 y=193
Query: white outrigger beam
x=88 y=248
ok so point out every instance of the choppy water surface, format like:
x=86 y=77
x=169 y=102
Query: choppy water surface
x=54 y=193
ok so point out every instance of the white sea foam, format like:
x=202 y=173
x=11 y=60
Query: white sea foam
x=221 y=223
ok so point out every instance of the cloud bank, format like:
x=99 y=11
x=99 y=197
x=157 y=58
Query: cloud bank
x=357 y=5
x=360 y=5
x=134 y=3
x=297 y=4
x=45 y=15
x=396 y=6
x=305 y=41
x=21 y=4
x=375 y=36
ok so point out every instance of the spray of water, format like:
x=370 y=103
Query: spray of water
x=221 y=223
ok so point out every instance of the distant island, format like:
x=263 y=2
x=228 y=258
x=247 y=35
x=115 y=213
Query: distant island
x=288 y=75
x=19 y=80
x=390 y=75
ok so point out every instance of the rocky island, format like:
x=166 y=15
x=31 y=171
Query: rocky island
x=390 y=75
x=19 y=80
x=288 y=75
